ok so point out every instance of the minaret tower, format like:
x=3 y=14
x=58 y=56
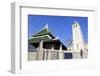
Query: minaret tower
x=78 y=41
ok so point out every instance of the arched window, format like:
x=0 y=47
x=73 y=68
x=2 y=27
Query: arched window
x=81 y=53
x=74 y=26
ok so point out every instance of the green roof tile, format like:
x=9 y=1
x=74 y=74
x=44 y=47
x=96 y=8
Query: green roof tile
x=42 y=32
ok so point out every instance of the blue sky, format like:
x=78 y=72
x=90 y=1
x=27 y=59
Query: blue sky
x=60 y=26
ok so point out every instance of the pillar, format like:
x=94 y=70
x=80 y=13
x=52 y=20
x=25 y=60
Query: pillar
x=45 y=54
x=50 y=53
x=40 y=51
x=61 y=55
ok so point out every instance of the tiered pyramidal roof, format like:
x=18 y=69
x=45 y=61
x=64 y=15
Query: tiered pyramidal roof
x=47 y=37
x=43 y=34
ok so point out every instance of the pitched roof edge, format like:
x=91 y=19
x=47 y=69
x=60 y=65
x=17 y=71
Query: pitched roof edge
x=41 y=36
x=41 y=30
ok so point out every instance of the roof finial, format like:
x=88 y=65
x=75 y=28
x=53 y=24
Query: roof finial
x=75 y=21
x=46 y=26
x=57 y=37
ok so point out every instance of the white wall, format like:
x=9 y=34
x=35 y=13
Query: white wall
x=5 y=33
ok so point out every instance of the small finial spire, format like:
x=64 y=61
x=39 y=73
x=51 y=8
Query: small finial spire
x=75 y=21
x=46 y=26
x=57 y=37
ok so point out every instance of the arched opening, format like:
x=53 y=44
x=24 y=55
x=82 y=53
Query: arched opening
x=81 y=53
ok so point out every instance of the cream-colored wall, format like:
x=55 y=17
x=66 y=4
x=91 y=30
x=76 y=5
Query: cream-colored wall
x=48 y=55
x=32 y=56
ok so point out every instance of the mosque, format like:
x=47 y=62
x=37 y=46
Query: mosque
x=45 y=46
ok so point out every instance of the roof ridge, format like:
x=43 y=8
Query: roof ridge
x=41 y=30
